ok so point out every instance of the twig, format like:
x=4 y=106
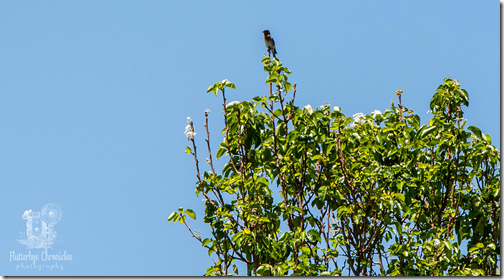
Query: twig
x=208 y=142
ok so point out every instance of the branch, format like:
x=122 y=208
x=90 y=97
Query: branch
x=208 y=142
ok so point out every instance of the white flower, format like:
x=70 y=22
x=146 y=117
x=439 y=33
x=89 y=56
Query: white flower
x=189 y=130
x=375 y=112
x=436 y=242
x=428 y=111
x=309 y=109
x=207 y=111
x=359 y=118
x=336 y=108
x=190 y=135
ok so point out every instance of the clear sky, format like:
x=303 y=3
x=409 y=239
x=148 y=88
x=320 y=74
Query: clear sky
x=94 y=97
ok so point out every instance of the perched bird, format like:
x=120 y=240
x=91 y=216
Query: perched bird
x=270 y=43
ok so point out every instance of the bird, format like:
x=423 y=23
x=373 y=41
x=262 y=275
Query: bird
x=270 y=43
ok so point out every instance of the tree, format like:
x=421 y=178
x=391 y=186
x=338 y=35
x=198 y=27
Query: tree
x=312 y=192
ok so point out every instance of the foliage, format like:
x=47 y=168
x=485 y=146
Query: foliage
x=312 y=192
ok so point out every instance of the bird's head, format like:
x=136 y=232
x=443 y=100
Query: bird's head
x=266 y=32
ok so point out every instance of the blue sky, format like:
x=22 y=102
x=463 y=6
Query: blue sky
x=94 y=97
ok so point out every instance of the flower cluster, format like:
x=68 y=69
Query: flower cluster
x=189 y=129
x=358 y=119
x=375 y=112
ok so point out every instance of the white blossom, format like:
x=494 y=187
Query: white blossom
x=358 y=119
x=207 y=111
x=309 y=109
x=189 y=130
x=376 y=112
x=436 y=242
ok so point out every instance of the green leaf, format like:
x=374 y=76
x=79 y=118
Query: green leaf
x=472 y=249
x=220 y=152
x=415 y=121
x=190 y=213
x=322 y=192
x=465 y=95
x=172 y=216
x=476 y=131
x=435 y=101
x=487 y=138
x=264 y=220
x=339 y=195
x=228 y=84
x=287 y=86
x=233 y=104
x=400 y=196
x=213 y=88
x=260 y=270
x=271 y=79
x=188 y=150
x=182 y=219
x=206 y=241
x=315 y=234
x=428 y=131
